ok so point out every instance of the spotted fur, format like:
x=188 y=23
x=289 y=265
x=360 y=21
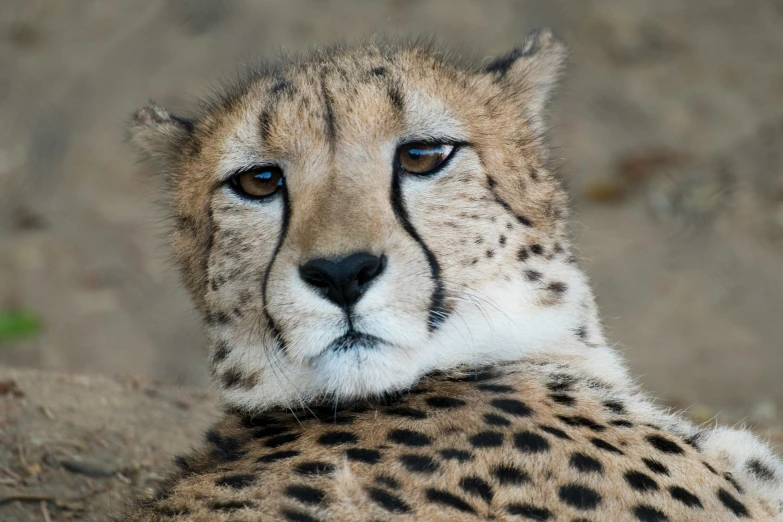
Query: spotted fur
x=482 y=385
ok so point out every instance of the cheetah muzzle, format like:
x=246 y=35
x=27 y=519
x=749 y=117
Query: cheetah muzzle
x=400 y=331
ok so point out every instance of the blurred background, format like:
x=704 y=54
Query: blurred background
x=669 y=126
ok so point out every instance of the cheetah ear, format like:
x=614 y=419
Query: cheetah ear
x=532 y=70
x=157 y=135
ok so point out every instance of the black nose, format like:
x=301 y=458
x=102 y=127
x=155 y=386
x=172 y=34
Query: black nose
x=343 y=281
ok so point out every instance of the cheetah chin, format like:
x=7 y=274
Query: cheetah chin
x=378 y=245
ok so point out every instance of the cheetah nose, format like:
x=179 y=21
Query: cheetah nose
x=343 y=281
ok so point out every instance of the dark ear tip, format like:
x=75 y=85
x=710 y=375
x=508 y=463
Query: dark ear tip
x=539 y=41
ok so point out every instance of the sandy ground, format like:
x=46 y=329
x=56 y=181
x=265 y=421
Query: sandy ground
x=670 y=127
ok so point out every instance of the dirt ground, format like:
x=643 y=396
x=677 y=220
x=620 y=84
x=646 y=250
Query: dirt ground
x=670 y=127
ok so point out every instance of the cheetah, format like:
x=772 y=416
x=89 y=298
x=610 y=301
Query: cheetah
x=378 y=244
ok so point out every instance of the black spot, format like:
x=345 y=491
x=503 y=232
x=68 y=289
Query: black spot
x=396 y=98
x=314 y=468
x=533 y=275
x=598 y=443
x=409 y=438
x=581 y=332
x=562 y=398
x=529 y=511
x=445 y=402
x=664 y=445
x=656 y=467
x=560 y=434
x=621 y=423
x=388 y=501
x=560 y=383
x=646 y=513
x=578 y=420
x=486 y=439
x=404 y=411
x=418 y=463
x=502 y=240
x=236 y=481
x=557 y=287
x=510 y=475
x=529 y=442
x=734 y=505
x=580 y=497
x=440 y=496
x=278 y=455
x=693 y=441
x=279 y=440
x=491 y=182
x=536 y=249
x=712 y=470
x=235 y=378
x=478 y=487
x=490 y=253
x=281 y=85
x=685 y=496
x=221 y=352
x=378 y=71
x=730 y=479
x=227 y=449
x=297 y=516
x=585 y=463
x=455 y=454
x=523 y=254
x=389 y=482
x=496 y=420
x=760 y=470
x=512 y=406
x=258 y=421
x=368 y=456
x=305 y=494
x=232 y=505
x=333 y=438
x=182 y=462
x=270 y=431
x=615 y=407
x=495 y=388
x=640 y=482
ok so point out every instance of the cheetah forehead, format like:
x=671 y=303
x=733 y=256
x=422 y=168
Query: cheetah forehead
x=332 y=119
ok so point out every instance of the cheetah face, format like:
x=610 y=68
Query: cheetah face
x=358 y=218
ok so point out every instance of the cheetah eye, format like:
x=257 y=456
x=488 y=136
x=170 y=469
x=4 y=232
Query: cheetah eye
x=257 y=183
x=423 y=158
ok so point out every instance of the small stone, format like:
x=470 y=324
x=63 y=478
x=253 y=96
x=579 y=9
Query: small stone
x=91 y=469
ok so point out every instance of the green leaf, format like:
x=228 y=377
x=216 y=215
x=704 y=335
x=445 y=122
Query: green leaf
x=16 y=324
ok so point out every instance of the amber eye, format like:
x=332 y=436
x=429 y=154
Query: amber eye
x=423 y=158
x=258 y=183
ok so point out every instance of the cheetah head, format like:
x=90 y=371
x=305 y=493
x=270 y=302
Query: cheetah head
x=351 y=220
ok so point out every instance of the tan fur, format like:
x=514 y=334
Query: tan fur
x=490 y=346
x=370 y=458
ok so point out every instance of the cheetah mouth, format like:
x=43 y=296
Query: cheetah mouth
x=354 y=340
